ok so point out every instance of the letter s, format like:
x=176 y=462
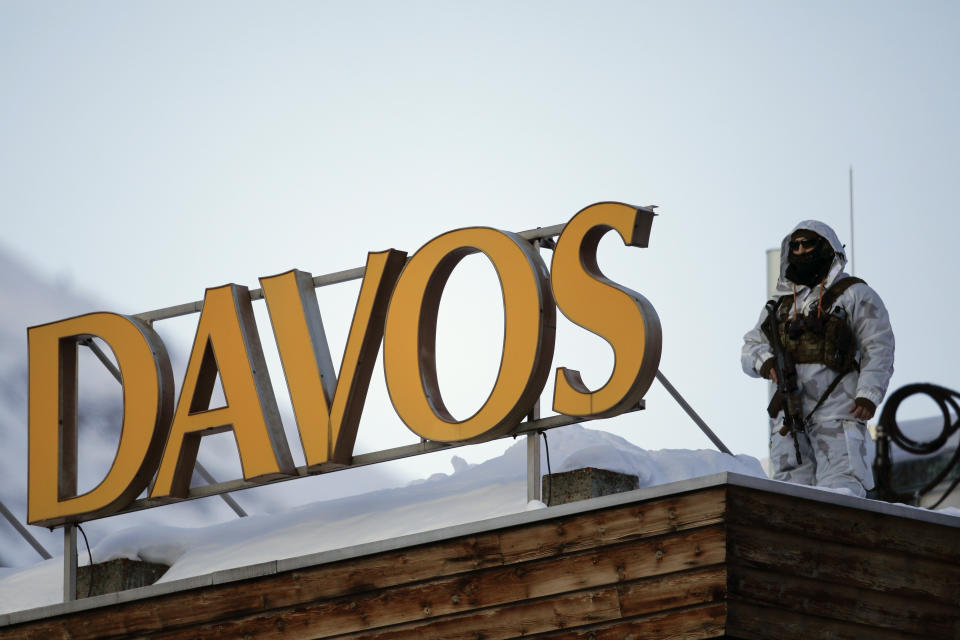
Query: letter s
x=622 y=317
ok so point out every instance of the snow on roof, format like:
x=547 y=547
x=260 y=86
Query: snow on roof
x=471 y=493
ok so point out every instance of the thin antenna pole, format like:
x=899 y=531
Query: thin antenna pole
x=853 y=269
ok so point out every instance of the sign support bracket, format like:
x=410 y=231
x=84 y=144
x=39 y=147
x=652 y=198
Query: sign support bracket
x=707 y=431
x=533 y=438
x=69 y=562
x=12 y=519
x=533 y=457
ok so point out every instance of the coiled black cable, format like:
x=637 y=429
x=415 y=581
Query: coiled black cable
x=888 y=429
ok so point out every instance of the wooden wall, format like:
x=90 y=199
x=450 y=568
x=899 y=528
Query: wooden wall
x=720 y=562
x=819 y=570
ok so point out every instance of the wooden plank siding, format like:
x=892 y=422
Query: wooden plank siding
x=567 y=569
x=820 y=570
x=720 y=561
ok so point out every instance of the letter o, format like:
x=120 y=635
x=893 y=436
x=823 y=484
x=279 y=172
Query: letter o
x=409 y=343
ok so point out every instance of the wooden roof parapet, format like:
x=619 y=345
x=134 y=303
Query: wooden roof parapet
x=726 y=556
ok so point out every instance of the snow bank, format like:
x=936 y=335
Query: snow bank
x=493 y=488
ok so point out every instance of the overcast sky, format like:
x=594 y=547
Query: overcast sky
x=150 y=150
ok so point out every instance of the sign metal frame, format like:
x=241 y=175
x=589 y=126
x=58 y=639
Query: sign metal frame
x=532 y=425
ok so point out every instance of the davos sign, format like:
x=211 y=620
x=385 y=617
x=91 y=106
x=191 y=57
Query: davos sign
x=398 y=306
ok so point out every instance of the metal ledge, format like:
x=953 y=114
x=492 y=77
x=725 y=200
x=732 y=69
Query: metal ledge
x=324 y=280
x=374 y=457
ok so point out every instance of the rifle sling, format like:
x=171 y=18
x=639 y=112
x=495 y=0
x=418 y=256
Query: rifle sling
x=826 y=394
x=837 y=288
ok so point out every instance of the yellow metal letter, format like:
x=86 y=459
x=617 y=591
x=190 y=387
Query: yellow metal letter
x=227 y=341
x=622 y=317
x=147 y=405
x=328 y=411
x=409 y=343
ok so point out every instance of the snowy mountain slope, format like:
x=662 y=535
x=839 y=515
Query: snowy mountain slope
x=28 y=301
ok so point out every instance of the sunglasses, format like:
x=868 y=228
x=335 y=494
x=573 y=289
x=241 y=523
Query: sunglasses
x=799 y=243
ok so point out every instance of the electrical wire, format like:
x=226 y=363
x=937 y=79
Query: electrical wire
x=549 y=471
x=90 y=556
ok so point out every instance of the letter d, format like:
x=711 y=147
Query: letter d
x=147 y=408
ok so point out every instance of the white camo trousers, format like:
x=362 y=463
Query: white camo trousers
x=833 y=455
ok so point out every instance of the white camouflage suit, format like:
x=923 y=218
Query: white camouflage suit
x=833 y=449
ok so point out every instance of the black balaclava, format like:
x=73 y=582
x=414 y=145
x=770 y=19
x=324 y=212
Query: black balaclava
x=810 y=268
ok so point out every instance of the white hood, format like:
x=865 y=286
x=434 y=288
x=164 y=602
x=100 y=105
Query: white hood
x=785 y=286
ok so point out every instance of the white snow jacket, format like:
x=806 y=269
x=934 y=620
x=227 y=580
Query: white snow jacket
x=870 y=324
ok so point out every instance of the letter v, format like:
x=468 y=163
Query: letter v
x=327 y=410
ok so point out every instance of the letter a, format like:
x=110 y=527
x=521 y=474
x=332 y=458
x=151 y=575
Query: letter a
x=227 y=341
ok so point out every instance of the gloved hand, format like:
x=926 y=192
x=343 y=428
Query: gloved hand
x=863 y=409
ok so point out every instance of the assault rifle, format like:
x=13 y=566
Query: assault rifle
x=788 y=396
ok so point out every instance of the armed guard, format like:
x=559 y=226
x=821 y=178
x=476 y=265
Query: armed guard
x=827 y=343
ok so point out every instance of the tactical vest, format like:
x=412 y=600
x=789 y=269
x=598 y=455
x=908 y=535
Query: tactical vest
x=825 y=339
